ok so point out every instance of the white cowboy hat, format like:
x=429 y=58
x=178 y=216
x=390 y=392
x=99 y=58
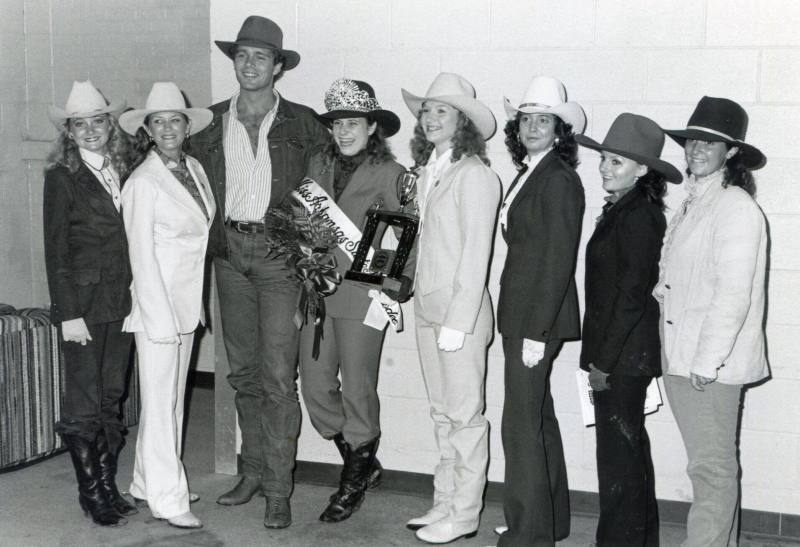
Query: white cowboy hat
x=84 y=101
x=165 y=97
x=457 y=92
x=546 y=95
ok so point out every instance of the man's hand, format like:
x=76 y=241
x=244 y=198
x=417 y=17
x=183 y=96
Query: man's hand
x=450 y=339
x=598 y=379
x=75 y=330
x=699 y=382
x=532 y=352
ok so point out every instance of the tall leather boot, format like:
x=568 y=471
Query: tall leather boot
x=375 y=474
x=107 y=461
x=91 y=496
x=358 y=464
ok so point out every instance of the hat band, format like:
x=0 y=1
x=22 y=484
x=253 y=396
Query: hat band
x=535 y=105
x=712 y=131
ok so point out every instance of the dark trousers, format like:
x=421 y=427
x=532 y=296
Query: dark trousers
x=536 y=494
x=628 y=509
x=350 y=407
x=95 y=377
x=258 y=297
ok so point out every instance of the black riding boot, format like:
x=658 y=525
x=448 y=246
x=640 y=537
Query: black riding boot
x=358 y=464
x=107 y=459
x=92 y=497
x=375 y=474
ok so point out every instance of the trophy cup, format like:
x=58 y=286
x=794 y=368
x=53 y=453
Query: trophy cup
x=385 y=266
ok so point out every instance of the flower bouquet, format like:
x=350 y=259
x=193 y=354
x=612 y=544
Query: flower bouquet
x=306 y=241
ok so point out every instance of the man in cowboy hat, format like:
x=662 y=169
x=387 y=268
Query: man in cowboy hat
x=255 y=152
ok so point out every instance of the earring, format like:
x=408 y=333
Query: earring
x=556 y=141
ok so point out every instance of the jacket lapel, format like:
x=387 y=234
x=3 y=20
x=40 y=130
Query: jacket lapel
x=201 y=181
x=530 y=184
x=99 y=198
x=175 y=189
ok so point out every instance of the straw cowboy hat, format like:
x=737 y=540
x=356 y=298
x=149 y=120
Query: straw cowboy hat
x=720 y=120
x=84 y=101
x=354 y=99
x=637 y=138
x=546 y=95
x=165 y=97
x=261 y=32
x=457 y=92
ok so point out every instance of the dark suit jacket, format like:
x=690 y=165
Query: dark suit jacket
x=369 y=184
x=538 y=297
x=620 y=326
x=294 y=136
x=86 y=251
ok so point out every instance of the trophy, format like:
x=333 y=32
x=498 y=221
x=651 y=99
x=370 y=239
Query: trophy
x=385 y=266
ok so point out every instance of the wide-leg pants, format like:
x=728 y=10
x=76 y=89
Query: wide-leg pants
x=455 y=385
x=350 y=407
x=709 y=422
x=158 y=473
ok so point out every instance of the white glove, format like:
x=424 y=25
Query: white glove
x=450 y=339
x=532 y=352
x=75 y=330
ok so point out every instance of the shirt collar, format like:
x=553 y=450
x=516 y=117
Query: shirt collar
x=533 y=161
x=170 y=163
x=94 y=159
x=233 y=108
x=697 y=187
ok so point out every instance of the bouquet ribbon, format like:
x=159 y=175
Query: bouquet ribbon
x=319 y=278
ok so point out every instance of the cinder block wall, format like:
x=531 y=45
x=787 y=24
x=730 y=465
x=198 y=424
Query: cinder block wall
x=649 y=57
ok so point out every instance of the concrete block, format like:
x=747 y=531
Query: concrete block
x=780 y=75
x=742 y=22
x=763 y=460
x=767 y=129
x=773 y=407
x=344 y=24
x=37 y=17
x=541 y=23
x=322 y=68
x=783 y=347
x=777 y=191
x=440 y=23
x=587 y=74
x=650 y=23
x=685 y=75
x=784 y=298
x=785 y=245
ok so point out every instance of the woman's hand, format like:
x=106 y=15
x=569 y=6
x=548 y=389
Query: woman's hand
x=598 y=379
x=168 y=340
x=698 y=382
x=75 y=330
x=450 y=339
x=532 y=352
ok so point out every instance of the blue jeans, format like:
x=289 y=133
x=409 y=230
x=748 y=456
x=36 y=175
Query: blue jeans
x=258 y=297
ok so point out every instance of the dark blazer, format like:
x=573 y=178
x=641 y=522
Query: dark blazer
x=620 y=326
x=85 y=249
x=369 y=184
x=294 y=136
x=538 y=297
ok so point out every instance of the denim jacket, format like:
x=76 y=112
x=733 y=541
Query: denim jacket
x=293 y=138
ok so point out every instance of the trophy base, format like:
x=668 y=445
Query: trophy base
x=374 y=279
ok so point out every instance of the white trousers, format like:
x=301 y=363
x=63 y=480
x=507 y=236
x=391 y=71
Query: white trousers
x=455 y=385
x=158 y=473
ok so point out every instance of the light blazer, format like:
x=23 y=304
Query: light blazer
x=714 y=274
x=455 y=244
x=370 y=183
x=167 y=234
x=538 y=296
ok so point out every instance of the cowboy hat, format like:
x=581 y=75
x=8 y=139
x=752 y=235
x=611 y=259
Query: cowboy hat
x=457 y=92
x=261 y=32
x=165 y=97
x=637 y=138
x=546 y=95
x=720 y=120
x=347 y=98
x=84 y=101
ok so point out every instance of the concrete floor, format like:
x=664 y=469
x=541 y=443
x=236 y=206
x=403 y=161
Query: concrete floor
x=38 y=508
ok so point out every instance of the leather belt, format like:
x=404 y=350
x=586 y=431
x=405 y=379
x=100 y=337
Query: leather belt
x=245 y=227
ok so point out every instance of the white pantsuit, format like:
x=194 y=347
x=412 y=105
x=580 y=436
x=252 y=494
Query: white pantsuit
x=167 y=233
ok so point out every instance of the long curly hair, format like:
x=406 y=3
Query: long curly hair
x=378 y=149
x=738 y=174
x=121 y=150
x=467 y=141
x=564 y=144
x=654 y=187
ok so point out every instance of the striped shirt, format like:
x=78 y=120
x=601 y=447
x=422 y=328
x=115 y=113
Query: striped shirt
x=248 y=179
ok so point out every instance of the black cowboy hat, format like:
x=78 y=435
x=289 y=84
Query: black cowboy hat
x=347 y=98
x=720 y=120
